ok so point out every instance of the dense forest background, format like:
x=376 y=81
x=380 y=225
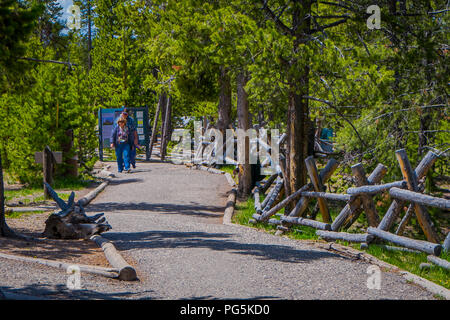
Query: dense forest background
x=288 y=64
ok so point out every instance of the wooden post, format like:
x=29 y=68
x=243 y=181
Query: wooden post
x=257 y=200
x=318 y=187
x=273 y=195
x=397 y=205
x=47 y=164
x=302 y=204
x=353 y=209
x=268 y=183
x=368 y=205
x=324 y=175
x=405 y=220
x=447 y=242
x=421 y=212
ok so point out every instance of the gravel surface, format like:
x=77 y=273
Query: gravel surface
x=167 y=223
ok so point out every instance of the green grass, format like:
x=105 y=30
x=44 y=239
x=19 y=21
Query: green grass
x=35 y=193
x=404 y=260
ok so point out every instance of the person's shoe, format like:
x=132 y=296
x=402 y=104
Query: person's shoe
x=128 y=171
x=120 y=171
x=134 y=166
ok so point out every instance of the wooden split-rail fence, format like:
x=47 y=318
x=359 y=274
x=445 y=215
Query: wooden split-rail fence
x=357 y=200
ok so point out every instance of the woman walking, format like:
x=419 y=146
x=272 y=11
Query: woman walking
x=121 y=140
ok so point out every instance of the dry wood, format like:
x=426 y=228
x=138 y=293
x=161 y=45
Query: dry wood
x=372 y=190
x=367 y=202
x=344 y=236
x=325 y=195
x=416 y=197
x=447 y=242
x=72 y=222
x=91 y=195
x=424 y=246
x=273 y=196
x=106 y=272
x=439 y=262
x=306 y=222
x=413 y=185
x=405 y=220
x=324 y=175
x=257 y=200
x=268 y=183
x=318 y=187
x=229 y=210
x=353 y=209
x=397 y=205
x=126 y=272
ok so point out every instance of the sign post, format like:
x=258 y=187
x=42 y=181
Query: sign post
x=48 y=160
x=107 y=119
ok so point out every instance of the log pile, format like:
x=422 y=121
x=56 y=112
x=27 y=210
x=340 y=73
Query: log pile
x=357 y=200
x=72 y=222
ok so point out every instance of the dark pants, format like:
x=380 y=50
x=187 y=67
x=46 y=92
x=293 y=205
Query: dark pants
x=133 y=156
x=123 y=156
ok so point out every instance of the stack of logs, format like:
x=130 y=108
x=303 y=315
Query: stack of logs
x=357 y=200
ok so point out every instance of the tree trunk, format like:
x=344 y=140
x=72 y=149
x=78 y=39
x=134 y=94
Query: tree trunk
x=298 y=109
x=5 y=231
x=224 y=107
x=161 y=102
x=89 y=35
x=245 y=176
x=166 y=128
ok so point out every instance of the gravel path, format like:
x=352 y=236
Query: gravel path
x=167 y=222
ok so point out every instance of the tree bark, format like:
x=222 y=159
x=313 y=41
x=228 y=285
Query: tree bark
x=245 y=177
x=5 y=231
x=161 y=102
x=224 y=107
x=166 y=129
x=298 y=110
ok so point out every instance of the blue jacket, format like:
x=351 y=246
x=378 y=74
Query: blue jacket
x=115 y=132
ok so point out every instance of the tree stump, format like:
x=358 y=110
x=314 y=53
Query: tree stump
x=72 y=222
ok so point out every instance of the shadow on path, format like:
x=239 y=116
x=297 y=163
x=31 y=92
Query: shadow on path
x=60 y=291
x=214 y=241
x=193 y=209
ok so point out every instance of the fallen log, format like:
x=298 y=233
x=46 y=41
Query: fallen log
x=126 y=272
x=105 y=272
x=420 y=198
x=344 y=236
x=424 y=246
x=229 y=210
x=306 y=222
x=439 y=262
